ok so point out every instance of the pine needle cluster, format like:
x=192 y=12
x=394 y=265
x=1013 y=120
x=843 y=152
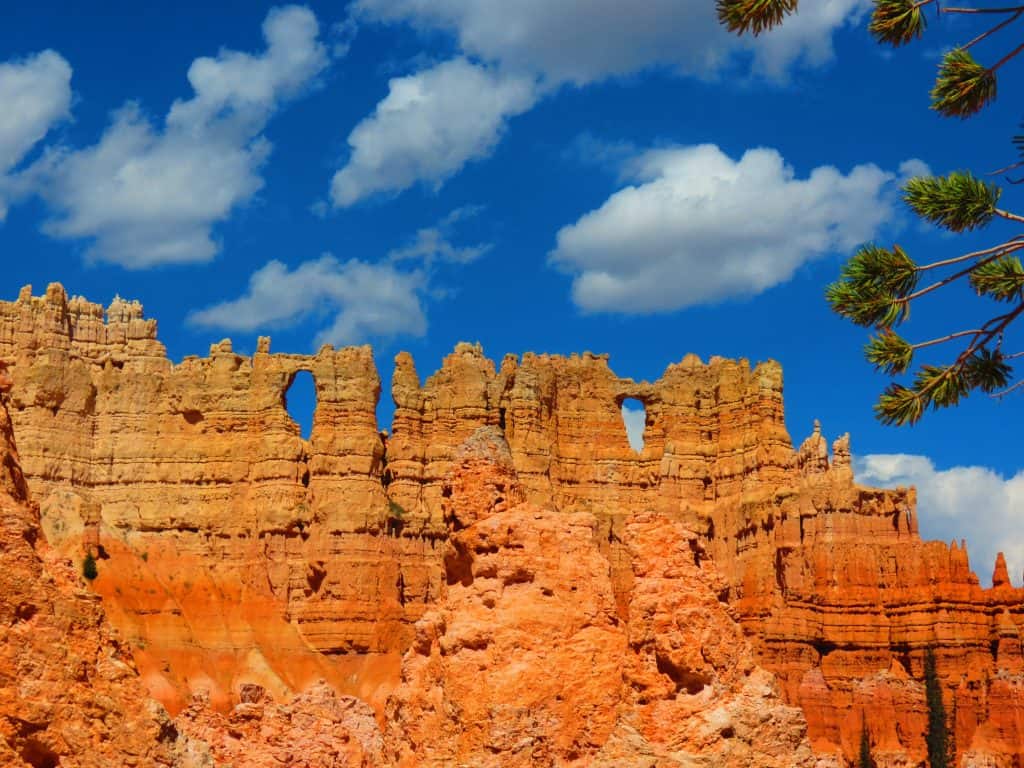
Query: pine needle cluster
x=753 y=16
x=877 y=286
x=963 y=86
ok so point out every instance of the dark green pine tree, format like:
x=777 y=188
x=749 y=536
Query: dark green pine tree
x=878 y=285
x=89 y=567
x=937 y=737
x=864 y=759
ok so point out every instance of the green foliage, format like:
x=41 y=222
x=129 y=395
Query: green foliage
x=395 y=510
x=877 y=286
x=937 y=737
x=873 y=285
x=89 y=570
x=897 y=22
x=963 y=86
x=889 y=352
x=987 y=370
x=1001 y=279
x=864 y=758
x=958 y=202
x=754 y=16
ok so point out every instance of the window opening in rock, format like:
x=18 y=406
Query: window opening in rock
x=634 y=416
x=300 y=402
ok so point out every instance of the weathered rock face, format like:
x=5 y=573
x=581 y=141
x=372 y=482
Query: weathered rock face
x=525 y=661
x=69 y=692
x=231 y=551
x=315 y=729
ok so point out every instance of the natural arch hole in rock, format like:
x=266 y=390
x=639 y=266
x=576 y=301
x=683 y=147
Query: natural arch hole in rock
x=634 y=416
x=300 y=402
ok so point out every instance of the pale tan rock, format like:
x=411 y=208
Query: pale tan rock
x=69 y=691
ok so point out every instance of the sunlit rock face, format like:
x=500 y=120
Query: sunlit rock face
x=232 y=552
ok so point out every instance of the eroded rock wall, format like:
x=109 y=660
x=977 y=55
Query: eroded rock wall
x=233 y=551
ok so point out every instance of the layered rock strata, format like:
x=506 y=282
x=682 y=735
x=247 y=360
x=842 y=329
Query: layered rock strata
x=231 y=550
x=69 y=692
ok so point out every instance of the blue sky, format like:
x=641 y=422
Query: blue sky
x=557 y=177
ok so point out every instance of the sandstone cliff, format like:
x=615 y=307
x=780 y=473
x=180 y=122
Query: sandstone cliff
x=69 y=692
x=234 y=552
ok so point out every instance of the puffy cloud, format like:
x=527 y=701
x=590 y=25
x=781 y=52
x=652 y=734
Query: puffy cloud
x=435 y=121
x=697 y=227
x=361 y=300
x=960 y=502
x=149 y=195
x=36 y=94
x=428 y=127
x=583 y=41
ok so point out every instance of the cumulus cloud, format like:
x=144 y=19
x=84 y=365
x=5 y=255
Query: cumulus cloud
x=149 y=195
x=361 y=300
x=974 y=503
x=36 y=94
x=428 y=127
x=697 y=227
x=435 y=121
x=583 y=41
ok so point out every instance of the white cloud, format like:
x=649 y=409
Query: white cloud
x=361 y=300
x=36 y=94
x=428 y=127
x=432 y=244
x=584 y=41
x=697 y=227
x=149 y=195
x=961 y=502
x=435 y=121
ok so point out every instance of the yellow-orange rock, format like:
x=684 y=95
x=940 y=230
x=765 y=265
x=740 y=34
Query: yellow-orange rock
x=69 y=692
x=233 y=552
x=315 y=729
x=526 y=662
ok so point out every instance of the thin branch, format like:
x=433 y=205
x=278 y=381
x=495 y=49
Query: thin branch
x=1009 y=246
x=979 y=342
x=1003 y=393
x=994 y=29
x=1005 y=168
x=1007 y=214
x=946 y=281
x=944 y=339
x=1014 y=356
x=1011 y=9
x=1006 y=58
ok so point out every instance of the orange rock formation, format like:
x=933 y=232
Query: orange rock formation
x=232 y=552
x=69 y=693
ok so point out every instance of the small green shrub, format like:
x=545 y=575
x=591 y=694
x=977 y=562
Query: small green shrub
x=89 y=570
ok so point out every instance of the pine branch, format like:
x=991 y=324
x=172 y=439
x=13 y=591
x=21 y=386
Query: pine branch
x=754 y=16
x=963 y=86
x=959 y=201
x=898 y=22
